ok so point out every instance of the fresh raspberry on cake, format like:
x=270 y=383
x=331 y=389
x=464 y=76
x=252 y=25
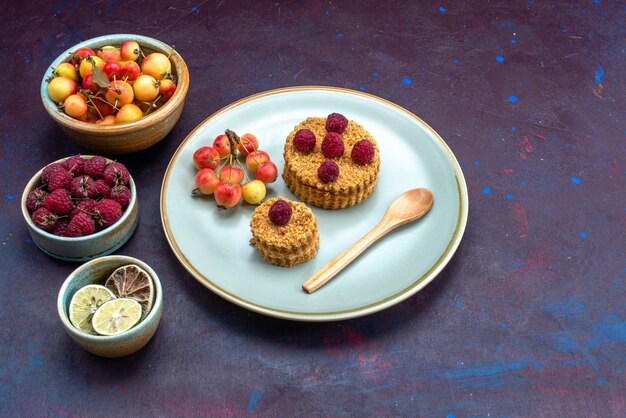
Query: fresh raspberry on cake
x=336 y=122
x=304 y=140
x=363 y=152
x=328 y=171
x=332 y=145
x=280 y=212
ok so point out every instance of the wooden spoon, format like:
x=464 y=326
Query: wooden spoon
x=408 y=207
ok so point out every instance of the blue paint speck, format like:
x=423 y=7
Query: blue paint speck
x=523 y=183
x=513 y=99
x=499 y=58
x=575 y=180
x=486 y=190
x=509 y=196
x=583 y=234
x=113 y=389
x=599 y=73
x=503 y=324
x=458 y=304
x=340 y=35
x=476 y=162
x=513 y=128
x=450 y=416
x=375 y=74
x=407 y=80
x=513 y=41
x=601 y=381
x=362 y=88
x=254 y=400
x=596 y=1
x=564 y=30
x=193 y=9
x=9 y=197
x=537 y=366
x=456 y=61
x=442 y=9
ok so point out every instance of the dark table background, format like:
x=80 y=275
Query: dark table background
x=526 y=320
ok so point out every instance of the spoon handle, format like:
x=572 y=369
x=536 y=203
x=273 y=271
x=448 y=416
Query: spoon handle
x=338 y=263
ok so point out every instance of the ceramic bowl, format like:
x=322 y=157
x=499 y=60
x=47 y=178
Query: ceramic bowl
x=88 y=247
x=126 y=137
x=96 y=272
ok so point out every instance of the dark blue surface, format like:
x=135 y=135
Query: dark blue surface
x=526 y=320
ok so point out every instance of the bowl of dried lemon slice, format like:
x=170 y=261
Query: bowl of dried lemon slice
x=111 y=306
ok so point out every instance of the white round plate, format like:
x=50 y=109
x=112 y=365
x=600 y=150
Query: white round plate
x=213 y=244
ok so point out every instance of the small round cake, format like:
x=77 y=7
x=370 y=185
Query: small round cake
x=331 y=162
x=285 y=232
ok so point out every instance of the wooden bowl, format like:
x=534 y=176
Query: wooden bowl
x=129 y=137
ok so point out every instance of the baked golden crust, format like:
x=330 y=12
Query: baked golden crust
x=285 y=245
x=355 y=182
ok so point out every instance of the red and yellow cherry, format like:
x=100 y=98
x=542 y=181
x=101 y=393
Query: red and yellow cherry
x=222 y=145
x=267 y=172
x=104 y=108
x=255 y=159
x=88 y=84
x=231 y=174
x=65 y=69
x=146 y=88
x=248 y=143
x=80 y=54
x=131 y=70
x=130 y=51
x=128 y=113
x=107 y=120
x=109 y=53
x=167 y=88
x=206 y=157
x=206 y=181
x=253 y=192
x=119 y=93
x=75 y=106
x=157 y=65
x=113 y=70
x=86 y=65
x=227 y=194
x=60 y=88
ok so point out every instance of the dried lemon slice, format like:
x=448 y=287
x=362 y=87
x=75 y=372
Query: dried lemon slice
x=116 y=316
x=85 y=303
x=132 y=281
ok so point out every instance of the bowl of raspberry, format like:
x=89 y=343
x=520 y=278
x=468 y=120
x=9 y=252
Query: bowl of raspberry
x=81 y=207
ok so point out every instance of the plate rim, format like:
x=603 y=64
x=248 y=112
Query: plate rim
x=418 y=284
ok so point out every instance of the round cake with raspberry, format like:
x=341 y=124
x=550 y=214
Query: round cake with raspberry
x=331 y=162
x=285 y=232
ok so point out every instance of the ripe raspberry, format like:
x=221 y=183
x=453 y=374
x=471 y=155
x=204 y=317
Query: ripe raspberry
x=48 y=170
x=304 y=140
x=328 y=171
x=280 y=212
x=60 y=179
x=362 y=152
x=87 y=206
x=94 y=167
x=59 y=202
x=116 y=174
x=75 y=165
x=107 y=212
x=336 y=122
x=102 y=188
x=44 y=219
x=60 y=229
x=81 y=225
x=121 y=194
x=35 y=199
x=332 y=145
x=82 y=187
